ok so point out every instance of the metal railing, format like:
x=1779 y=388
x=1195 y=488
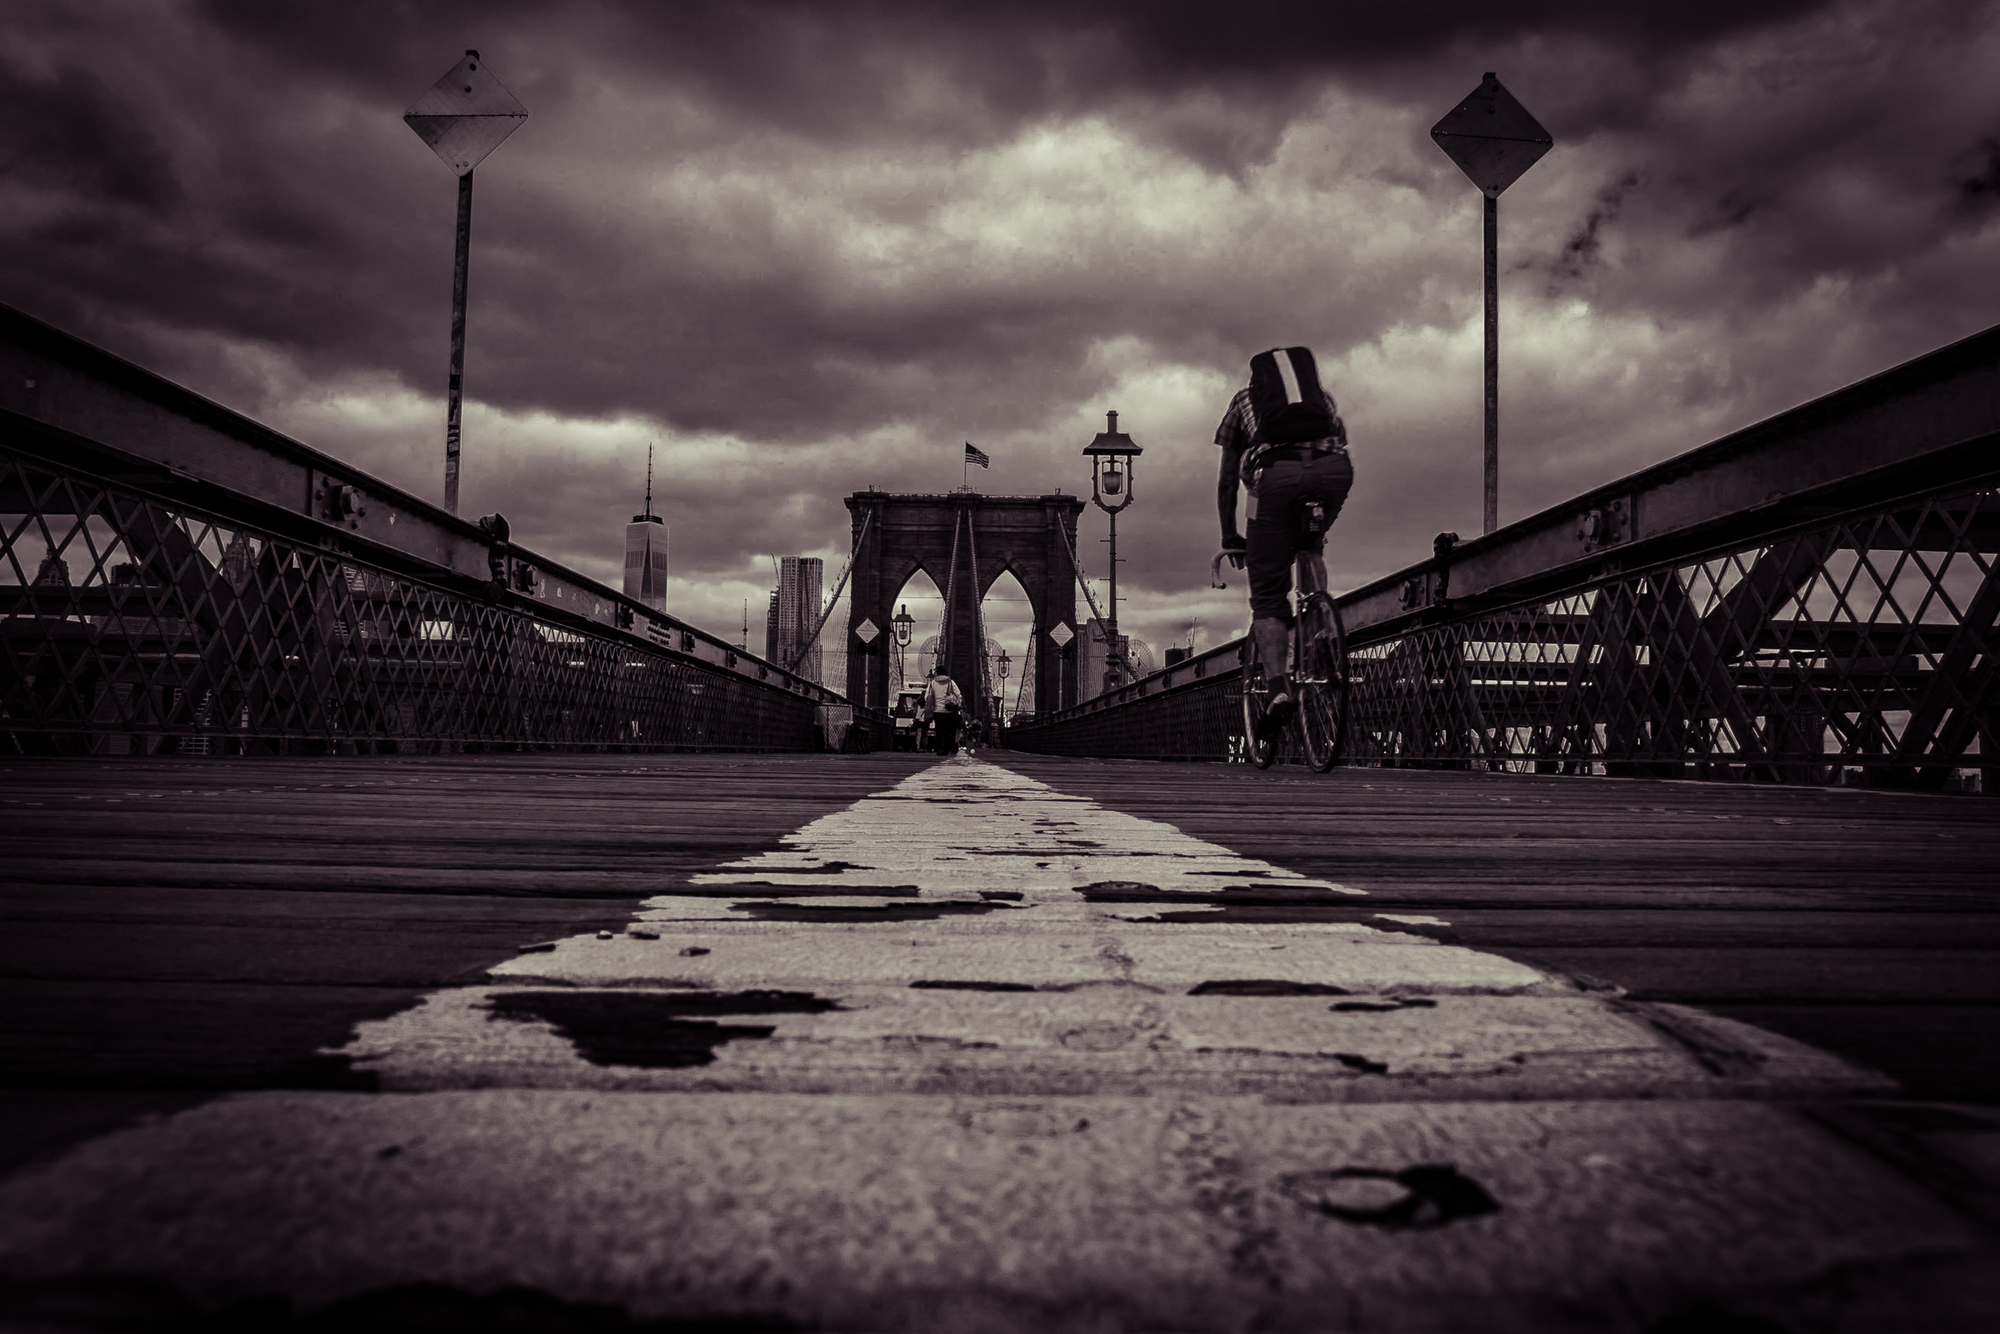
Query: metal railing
x=1810 y=600
x=146 y=607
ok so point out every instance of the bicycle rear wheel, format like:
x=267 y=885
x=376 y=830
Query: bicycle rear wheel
x=1256 y=699
x=1321 y=682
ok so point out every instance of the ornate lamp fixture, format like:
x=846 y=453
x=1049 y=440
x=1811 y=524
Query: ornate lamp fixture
x=1112 y=456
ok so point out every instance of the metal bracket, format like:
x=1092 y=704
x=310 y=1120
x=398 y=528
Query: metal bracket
x=1607 y=525
x=339 y=503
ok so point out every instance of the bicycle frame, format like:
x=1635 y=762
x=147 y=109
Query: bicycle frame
x=1317 y=669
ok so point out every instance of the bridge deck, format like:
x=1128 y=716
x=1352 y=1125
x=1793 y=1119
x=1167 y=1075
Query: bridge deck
x=311 y=930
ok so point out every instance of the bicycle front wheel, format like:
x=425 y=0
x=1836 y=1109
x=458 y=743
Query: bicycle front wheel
x=1256 y=700
x=1322 y=682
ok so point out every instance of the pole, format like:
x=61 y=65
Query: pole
x=1111 y=631
x=1492 y=366
x=455 y=385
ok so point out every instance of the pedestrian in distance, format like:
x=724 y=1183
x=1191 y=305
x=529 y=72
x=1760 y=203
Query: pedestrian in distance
x=942 y=706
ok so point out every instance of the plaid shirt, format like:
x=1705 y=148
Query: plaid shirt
x=1239 y=428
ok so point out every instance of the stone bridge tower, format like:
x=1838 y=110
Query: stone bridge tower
x=1028 y=536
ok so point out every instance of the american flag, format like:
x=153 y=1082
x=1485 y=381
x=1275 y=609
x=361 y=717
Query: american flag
x=975 y=456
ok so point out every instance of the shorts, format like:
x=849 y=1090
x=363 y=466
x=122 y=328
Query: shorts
x=1276 y=488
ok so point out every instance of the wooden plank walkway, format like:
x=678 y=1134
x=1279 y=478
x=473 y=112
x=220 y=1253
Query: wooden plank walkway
x=169 y=926
x=829 y=1036
x=1866 y=923
x=190 y=923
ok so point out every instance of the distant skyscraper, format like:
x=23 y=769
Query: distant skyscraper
x=795 y=613
x=646 y=552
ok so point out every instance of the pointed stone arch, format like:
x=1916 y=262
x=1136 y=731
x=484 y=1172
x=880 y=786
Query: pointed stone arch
x=1028 y=536
x=1008 y=615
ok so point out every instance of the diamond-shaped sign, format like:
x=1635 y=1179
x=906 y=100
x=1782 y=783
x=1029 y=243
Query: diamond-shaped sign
x=1062 y=634
x=1492 y=137
x=465 y=115
x=866 y=631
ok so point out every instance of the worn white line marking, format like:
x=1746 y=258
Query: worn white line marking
x=974 y=879
x=993 y=865
x=966 y=825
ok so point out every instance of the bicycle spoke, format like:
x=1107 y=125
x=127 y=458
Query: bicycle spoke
x=1256 y=699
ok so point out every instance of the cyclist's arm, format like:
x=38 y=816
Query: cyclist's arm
x=1226 y=484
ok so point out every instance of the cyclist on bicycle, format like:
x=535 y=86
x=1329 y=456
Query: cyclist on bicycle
x=1282 y=437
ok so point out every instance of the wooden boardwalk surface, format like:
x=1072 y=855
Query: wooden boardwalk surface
x=179 y=929
x=189 y=924
x=1867 y=923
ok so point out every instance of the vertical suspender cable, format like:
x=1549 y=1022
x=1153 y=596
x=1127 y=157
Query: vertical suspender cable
x=1111 y=648
x=950 y=588
x=978 y=606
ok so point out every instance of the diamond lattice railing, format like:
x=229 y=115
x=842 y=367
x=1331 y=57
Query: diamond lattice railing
x=132 y=623
x=1863 y=643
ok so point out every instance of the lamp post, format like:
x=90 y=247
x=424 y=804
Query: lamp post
x=464 y=116
x=903 y=621
x=1112 y=456
x=1000 y=700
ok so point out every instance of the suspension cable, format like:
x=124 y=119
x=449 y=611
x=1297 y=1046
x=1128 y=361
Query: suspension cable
x=1111 y=647
x=978 y=606
x=1027 y=673
x=950 y=590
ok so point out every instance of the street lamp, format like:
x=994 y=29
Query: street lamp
x=1112 y=456
x=902 y=620
x=1000 y=700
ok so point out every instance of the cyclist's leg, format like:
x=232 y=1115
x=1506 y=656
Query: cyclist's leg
x=1327 y=479
x=1323 y=682
x=1312 y=573
x=1273 y=491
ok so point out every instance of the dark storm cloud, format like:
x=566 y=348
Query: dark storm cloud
x=68 y=131
x=801 y=243
x=311 y=237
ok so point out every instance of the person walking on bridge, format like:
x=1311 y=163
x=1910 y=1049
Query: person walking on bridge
x=1281 y=437
x=942 y=705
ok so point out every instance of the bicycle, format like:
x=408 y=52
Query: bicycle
x=1319 y=674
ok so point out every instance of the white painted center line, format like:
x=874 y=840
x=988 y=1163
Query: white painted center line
x=966 y=826
x=972 y=925
x=967 y=872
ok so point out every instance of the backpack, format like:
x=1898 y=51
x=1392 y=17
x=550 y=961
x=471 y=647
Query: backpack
x=1285 y=394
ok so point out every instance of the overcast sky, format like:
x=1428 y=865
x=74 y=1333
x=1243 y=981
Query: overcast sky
x=813 y=247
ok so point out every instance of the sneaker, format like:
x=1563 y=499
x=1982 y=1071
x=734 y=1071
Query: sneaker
x=1276 y=715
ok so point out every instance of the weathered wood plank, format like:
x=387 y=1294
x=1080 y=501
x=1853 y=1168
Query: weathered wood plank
x=1789 y=903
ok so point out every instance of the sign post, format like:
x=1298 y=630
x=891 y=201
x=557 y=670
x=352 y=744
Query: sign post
x=1494 y=141
x=465 y=116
